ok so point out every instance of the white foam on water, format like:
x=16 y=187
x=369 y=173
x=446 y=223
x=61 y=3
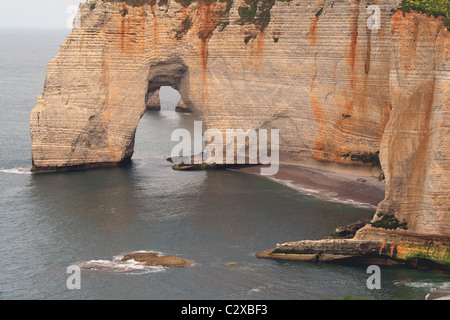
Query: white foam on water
x=423 y=284
x=117 y=265
x=129 y=266
x=16 y=171
x=437 y=291
x=327 y=196
x=257 y=290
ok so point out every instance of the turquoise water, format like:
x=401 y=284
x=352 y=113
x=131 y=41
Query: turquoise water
x=51 y=221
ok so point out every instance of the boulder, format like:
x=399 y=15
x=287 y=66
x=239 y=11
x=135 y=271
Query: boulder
x=154 y=259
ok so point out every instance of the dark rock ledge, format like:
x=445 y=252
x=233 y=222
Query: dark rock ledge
x=342 y=248
x=177 y=165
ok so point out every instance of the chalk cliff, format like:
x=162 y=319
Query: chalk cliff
x=415 y=148
x=344 y=95
x=311 y=68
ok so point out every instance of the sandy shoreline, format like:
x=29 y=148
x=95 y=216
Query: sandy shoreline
x=328 y=185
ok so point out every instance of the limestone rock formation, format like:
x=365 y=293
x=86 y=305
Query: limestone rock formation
x=350 y=251
x=415 y=149
x=153 y=102
x=345 y=96
x=182 y=107
x=284 y=68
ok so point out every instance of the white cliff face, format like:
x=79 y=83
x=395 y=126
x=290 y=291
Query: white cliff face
x=326 y=91
x=312 y=69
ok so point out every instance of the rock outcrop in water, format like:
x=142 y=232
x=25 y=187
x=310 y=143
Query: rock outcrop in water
x=345 y=97
x=135 y=261
x=151 y=259
x=432 y=256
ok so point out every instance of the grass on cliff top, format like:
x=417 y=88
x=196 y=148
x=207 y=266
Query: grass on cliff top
x=434 y=7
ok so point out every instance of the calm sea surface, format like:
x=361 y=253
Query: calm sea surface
x=51 y=221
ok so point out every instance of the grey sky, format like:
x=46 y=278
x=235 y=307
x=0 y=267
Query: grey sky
x=36 y=13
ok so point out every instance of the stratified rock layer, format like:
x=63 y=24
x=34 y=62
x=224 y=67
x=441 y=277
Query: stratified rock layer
x=343 y=95
x=433 y=256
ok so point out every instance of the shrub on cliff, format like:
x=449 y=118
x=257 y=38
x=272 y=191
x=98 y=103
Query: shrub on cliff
x=389 y=222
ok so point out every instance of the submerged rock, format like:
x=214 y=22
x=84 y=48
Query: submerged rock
x=154 y=259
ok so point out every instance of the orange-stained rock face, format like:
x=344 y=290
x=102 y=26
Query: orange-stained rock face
x=209 y=18
x=312 y=30
x=349 y=84
x=416 y=146
x=330 y=85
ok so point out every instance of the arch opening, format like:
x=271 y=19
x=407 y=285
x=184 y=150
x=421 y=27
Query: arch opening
x=166 y=87
x=169 y=98
x=167 y=91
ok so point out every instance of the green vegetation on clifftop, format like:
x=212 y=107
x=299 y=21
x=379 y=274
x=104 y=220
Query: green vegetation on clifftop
x=434 y=7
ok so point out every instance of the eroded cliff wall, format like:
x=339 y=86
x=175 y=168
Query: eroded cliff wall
x=339 y=91
x=415 y=152
x=312 y=69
